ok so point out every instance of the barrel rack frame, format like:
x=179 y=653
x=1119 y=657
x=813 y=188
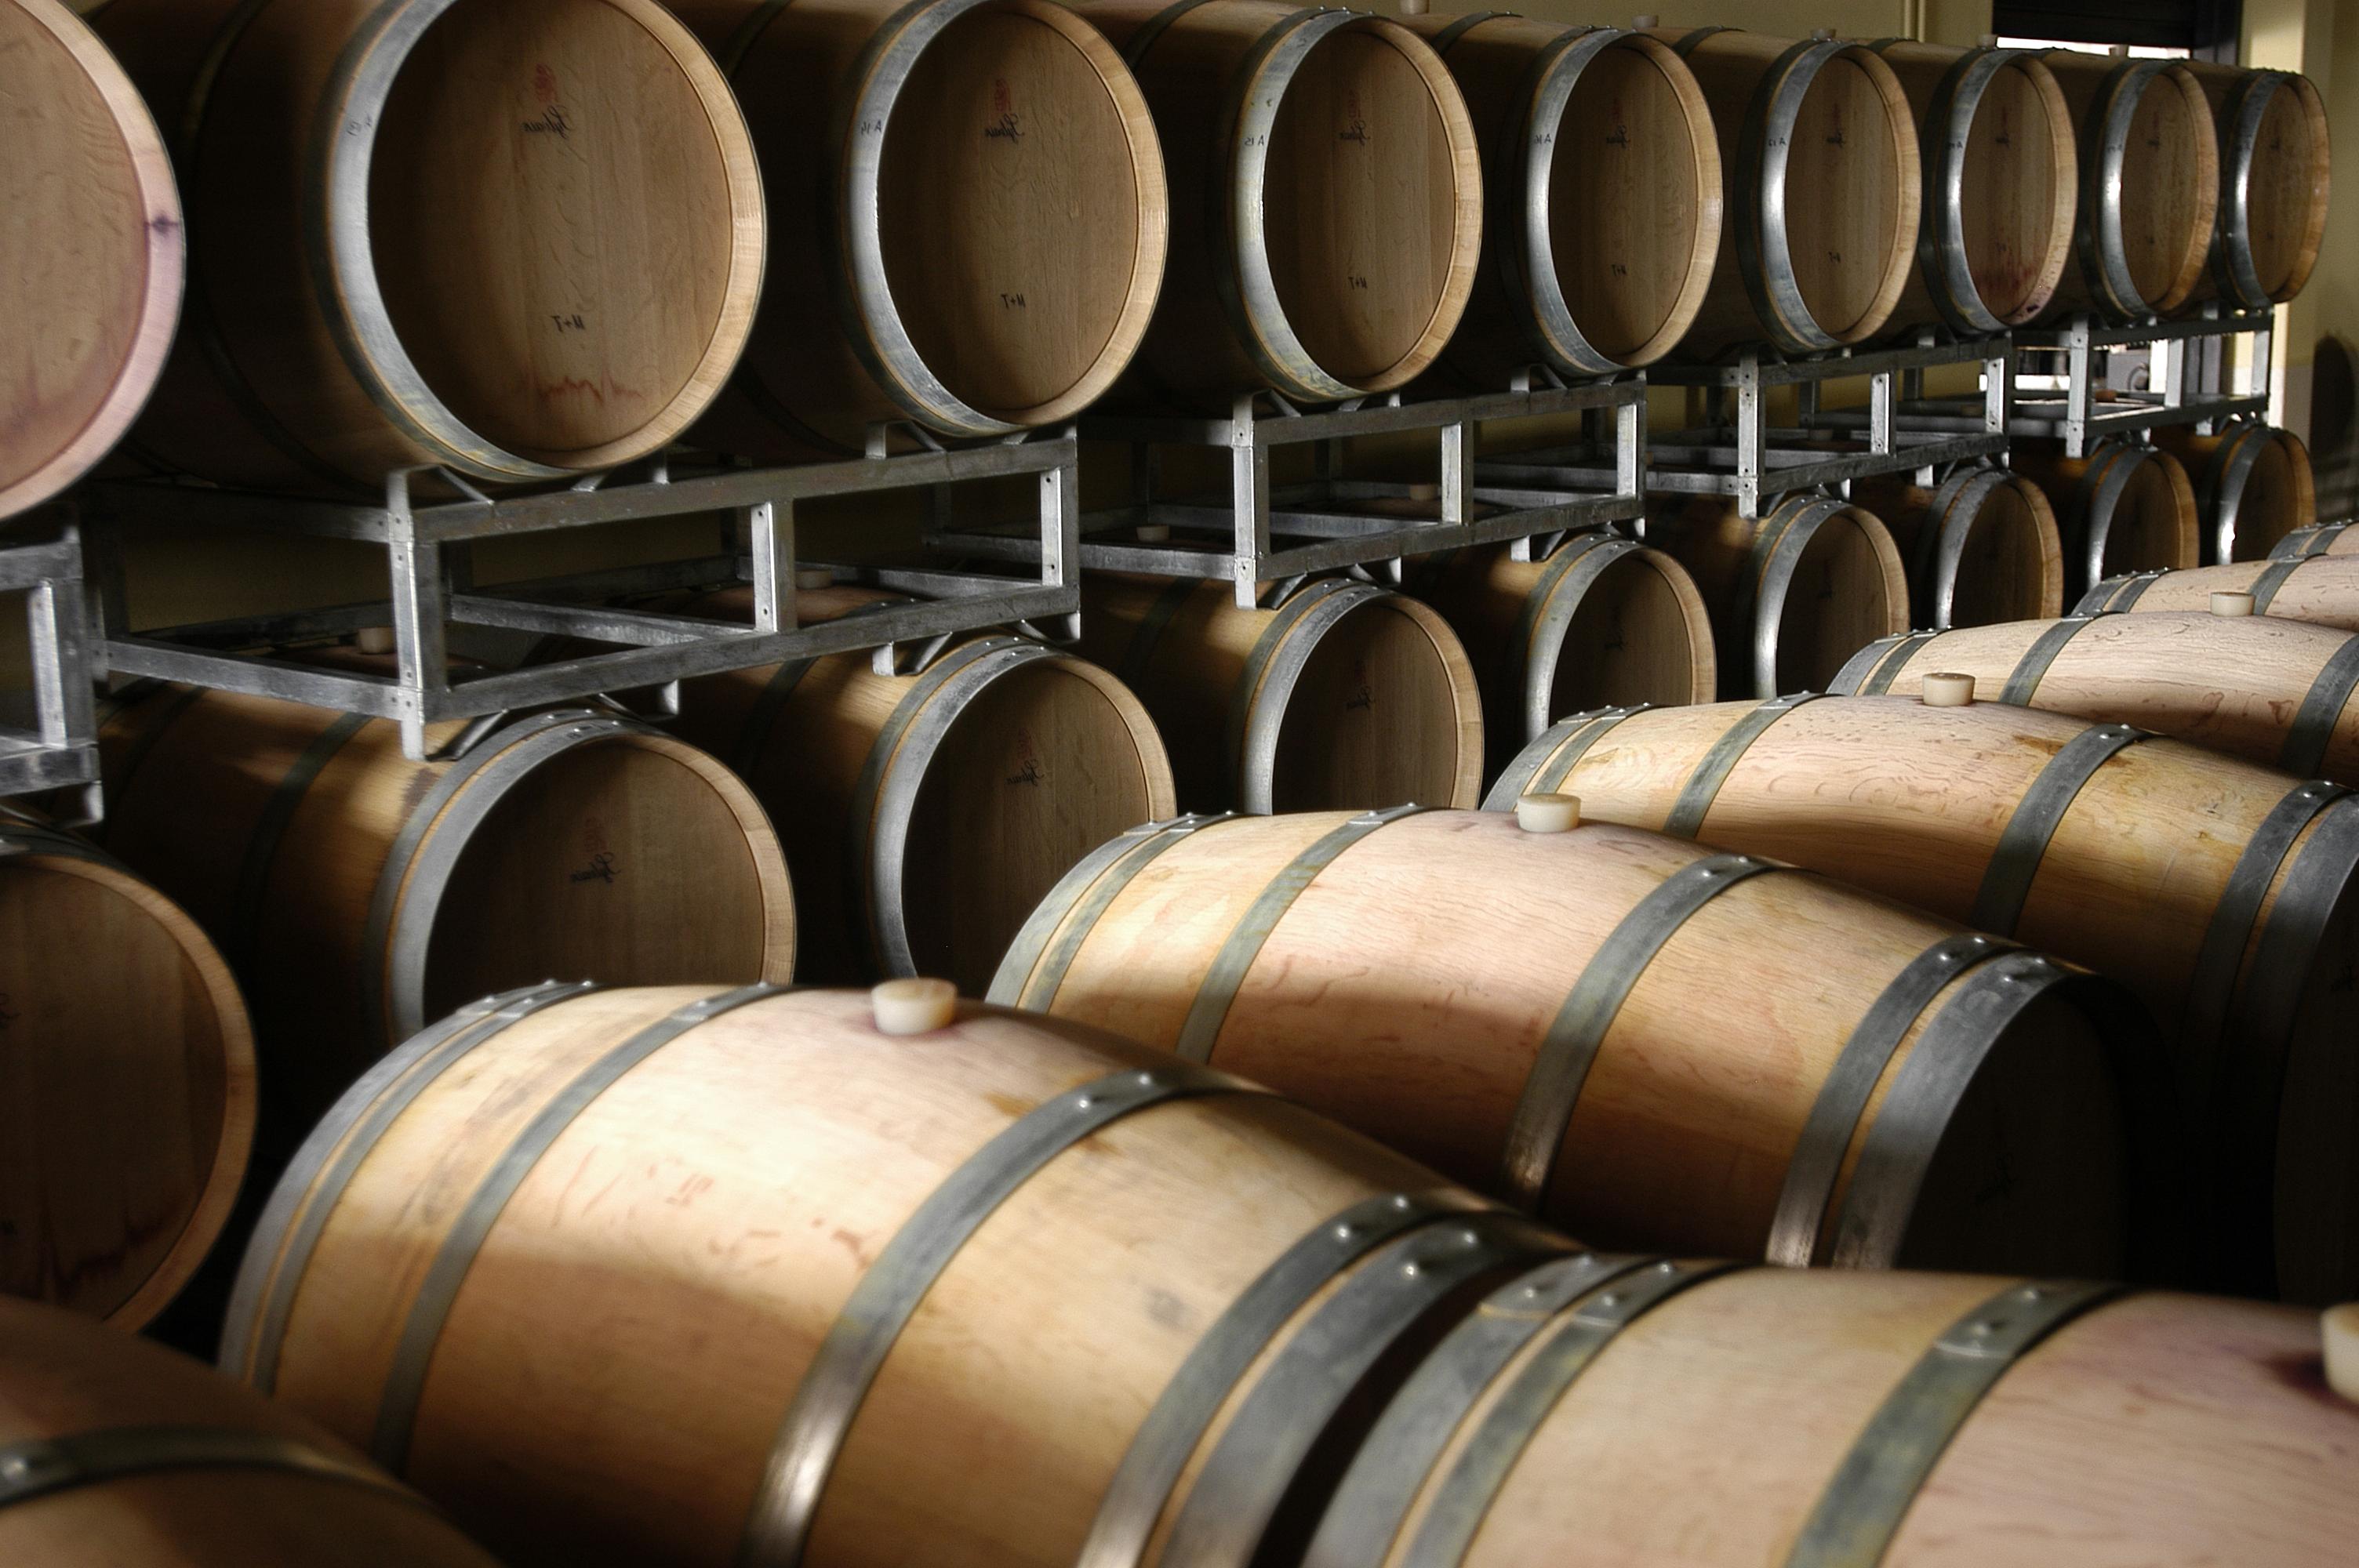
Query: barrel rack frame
x=431 y=585
x=1282 y=533
x=61 y=751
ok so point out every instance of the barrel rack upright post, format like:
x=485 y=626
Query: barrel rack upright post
x=59 y=750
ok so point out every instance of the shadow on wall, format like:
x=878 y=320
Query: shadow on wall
x=2334 y=427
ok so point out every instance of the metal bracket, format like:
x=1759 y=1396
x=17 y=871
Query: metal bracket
x=60 y=750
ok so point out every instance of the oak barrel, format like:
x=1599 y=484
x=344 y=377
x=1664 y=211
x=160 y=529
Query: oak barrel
x=2322 y=589
x=2254 y=485
x=1647 y=1042
x=1818 y=149
x=519 y=240
x=2001 y=185
x=2127 y=506
x=2326 y=539
x=1600 y=620
x=1602 y=199
x=116 y=1452
x=1344 y=694
x=2275 y=171
x=968 y=217
x=1329 y=215
x=2156 y=863
x=90 y=256
x=1792 y=593
x=126 y=1064
x=2149 y=184
x=1980 y=547
x=2279 y=693
x=693 y=1275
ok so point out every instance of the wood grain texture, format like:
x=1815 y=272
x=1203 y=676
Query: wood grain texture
x=2282 y=176
x=2321 y=589
x=2156 y=218
x=2254 y=485
x=2139 y=519
x=2008 y=559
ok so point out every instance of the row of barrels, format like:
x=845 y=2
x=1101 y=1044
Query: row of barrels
x=524 y=242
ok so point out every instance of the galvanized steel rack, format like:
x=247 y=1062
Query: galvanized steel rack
x=1738 y=452
x=61 y=749
x=432 y=588
x=1278 y=533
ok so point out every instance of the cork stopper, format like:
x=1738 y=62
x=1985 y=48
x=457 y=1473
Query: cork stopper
x=2339 y=1326
x=373 y=639
x=1412 y=8
x=1547 y=813
x=2234 y=602
x=1642 y=24
x=1823 y=35
x=913 y=1007
x=1154 y=533
x=1947 y=688
x=810 y=579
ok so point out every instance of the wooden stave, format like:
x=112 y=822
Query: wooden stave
x=2321 y=589
x=2239 y=97
x=2221 y=466
x=159 y=195
x=2086 y=493
x=1933 y=527
x=2103 y=95
x=2325 y=539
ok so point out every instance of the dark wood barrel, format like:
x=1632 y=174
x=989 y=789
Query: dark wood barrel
x=2274 y=169
x=2149 y=184
x=2322 y=589
x=424 y=234
x=2254 y=485
x=2128 y=506
x=1980 y=547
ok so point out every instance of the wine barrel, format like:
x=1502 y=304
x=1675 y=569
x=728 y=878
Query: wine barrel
x=90 y=256
x=2002 y=185
x=2321 y=589
x=924 y=815
x=1791 y=594
x=2274 y=692
x=1819 y=149
x=1327 y=242
x=2127 y=506
x=128 y=1065
x=1666 y=1412
x=1602 y=620
x=427 y=234
x=2254 y=485
x=1980 y=547
x=837 y=1270
x=967 y=210
x=2079 y=840
x=2149 y=184
x=1602 y=199
x=2327 y=539
x=1643 y=1041
x=1343 y=694
x=2274 y=175
x=116 y=1452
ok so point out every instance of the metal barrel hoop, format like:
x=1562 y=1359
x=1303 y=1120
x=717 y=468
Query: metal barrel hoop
x=1257 y=708
x=1693 y=802
x=43 y=1466
x=1526 y=261
x=1544 y=765
x=1034 y=969
x=1764 y=249
x=1545 y=618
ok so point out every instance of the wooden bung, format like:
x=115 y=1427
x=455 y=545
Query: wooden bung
x=2322 y=589
x=2082 y=841
x=2125 y=507
x=1330 y=215
x=2149 y=184
x=1983 y=546
x=117 y=1452
x=2272 y=691
x=1647 y=1042
x=1602 y=196
x=2001 y=185
x=1602 y=621
x=2328 y=539
x=1793 y=594
x=2254 y=486
x=967 y=210
x=2275 y=171
x=90 y=255
x=128 y=1066
x=1818 y=147
x=427 y=233
x=1345 y=695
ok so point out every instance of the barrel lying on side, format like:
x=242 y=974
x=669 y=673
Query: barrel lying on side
x=90 y=256
x=2156 y=863
x=1345 y=695
x=2149 y=184
x=2279 y=693
x=2127 y=506
x=968 y=217
x=2321 y=589
x=1792 y=593
x=2274 y=177
x=1648 y=1042
x=2327 y=539
x=1980 y=547
x=2254 y=485
x=1603 y=620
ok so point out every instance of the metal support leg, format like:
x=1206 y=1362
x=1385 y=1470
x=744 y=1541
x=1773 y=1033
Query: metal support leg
x=1249 y=498
x=1879 y=412
x=770 y=542
x=2080 y=388
x=420 y=617
x=1457 y=475
x=1060 y=529
x=1752 y=438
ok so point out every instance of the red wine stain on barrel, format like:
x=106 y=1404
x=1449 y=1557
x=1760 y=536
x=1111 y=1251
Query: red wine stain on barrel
x=544 y=84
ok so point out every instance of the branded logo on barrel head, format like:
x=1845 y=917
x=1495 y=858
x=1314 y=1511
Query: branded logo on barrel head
x=601 y=867
x=544 y=84
x=1004 y=125
x=1028 y=759
x=1364 y=690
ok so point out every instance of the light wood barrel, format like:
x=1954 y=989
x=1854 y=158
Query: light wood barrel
x=1013 y=1267
x=127 y=1064
x=2002 y=185
x=2327 y=539
x=116 y=1452
x=2127 y=506
x=2254 y=485
x=1345 y=695
x=2080 y=840
x=1791 y=594
x=1982 y=546
x=1604 y=621
x=1716 y=1420
x=2149 y=184
x=1818 y=148
x=2275 y=167
x=90 y=256
x=429 y=233
x=2322 y=589
x=1644 y=1041
x=2274 y=692
x=1602 y=198
x=1330 y=215
x=968 y=217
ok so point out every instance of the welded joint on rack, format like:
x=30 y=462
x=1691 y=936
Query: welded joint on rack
x=885 y=657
